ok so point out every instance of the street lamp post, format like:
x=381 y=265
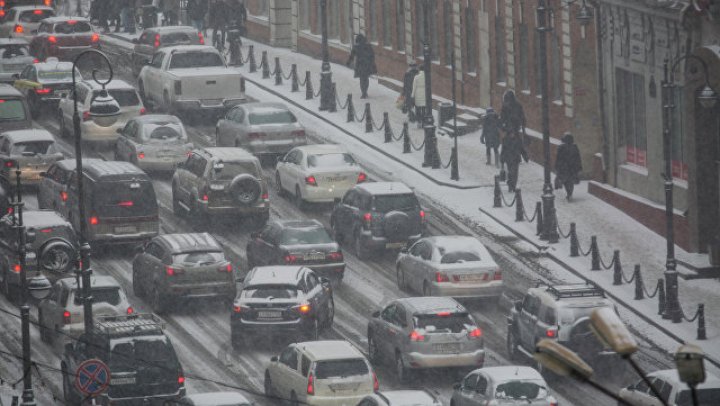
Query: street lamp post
x=104 y=109
x=707 y=98
x=431 y=157
x=326 y=93
x=455 y=166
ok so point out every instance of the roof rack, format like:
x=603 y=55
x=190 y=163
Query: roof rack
x=129 y=325
x=588 y=289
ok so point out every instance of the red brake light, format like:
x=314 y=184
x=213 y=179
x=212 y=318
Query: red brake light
x=10 y=210
x=141 y=155
x=497 y=276
x=169 y=271
x=201 y=38
x=128 y=203
x=237 y=309
x=37 y=12
x=130 y=310
x=72 y=22
x=181 y=380
x=289 y=259
x=362 y=177
x=367 y=217
x=422 y=215
x=550 y=333
x=415 y=336
x=94 y=221
x=143 y=111
x=443 y=314
x=19 y=29
x=157 y=40
x=48 y=2
x=63 y=196
x=476 y=333
x=310 y=386
x=227 y=268
x=265 y=196
x=441 y=277
x=9 y=164
x=334 y=256
x=43 y=91
x=52 y=39
x=2 y=13
x=298 y=133
x=95 y=37
x=46 y=230
x=16 y=268
x=86 y=116
x=205 y=198
x=376 y=384
x=66 y=317
x=34 y=60
x=310 y=180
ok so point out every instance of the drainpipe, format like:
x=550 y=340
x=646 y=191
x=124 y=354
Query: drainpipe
x=601 y=91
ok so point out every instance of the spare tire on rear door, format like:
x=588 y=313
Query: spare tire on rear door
x=57 y=256
x=584 y=341
x=397 y=226
x=245 y=189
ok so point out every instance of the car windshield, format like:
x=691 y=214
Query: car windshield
x=270 y=292
x=271 y=117
x=330 y=160
x=386 y=203
x=163 y=132
x=569 y=314
x=195 y=60
x=180 y=38
x=229 y=170
x=72 y=27
x=124 y=97
x=444 y=322
x=109 y=295
x=33 y=148
x=12 y=51
x=35 y=16
x=305 y=235
x=142 y=354
x=705 y=397
x=527 y=390
x=125 y=199
x=12 y=110
x=199 y=258
x=340 y=368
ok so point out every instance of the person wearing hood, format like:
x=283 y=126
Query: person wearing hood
x=491 y=135
x=568 y=165
x=408 y=79
x=418 y=95
x=364 y=57
x=512 y=115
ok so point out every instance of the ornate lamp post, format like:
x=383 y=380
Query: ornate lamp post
x=431 y=157
x=104 y=110
x=707 y=98
x=326 y=93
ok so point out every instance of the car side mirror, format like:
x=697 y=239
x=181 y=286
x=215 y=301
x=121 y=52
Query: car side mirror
x=457 y=385
x=240 y=279
x=16 y=76
x=376 y=314
x=274 y=358
x=135 y=41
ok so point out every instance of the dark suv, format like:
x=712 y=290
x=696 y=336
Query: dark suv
x=144 y=367
x=378 y=215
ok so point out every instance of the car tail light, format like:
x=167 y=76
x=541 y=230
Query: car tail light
x=66 y=317
x=16 y=268
x=362 y=177
x=201 y=38
x=157 y=41
x=34 y=60
x=441 y=277
x=475 y=333
x=415 y=336
x=19 y=29
x=143 y=111
x=255 y=135
x=554 y=403
x=94 y=221
x=422 y=215
x=141 y=155
x=289 y=259
x=9 y=164
x=48 y=3
x=497 y=276
x=551 y=333
x=2 y=3
x=367 y=218
x=170 y=271
x=2 y=13
x=10 y=210
x=205 y=196
x=72 y=22
x=181 y=380
x=46 y=230
x=37 y=12
x=227 y=268
x=127 y=203
x=43 y=91
x=95 y=37
x=130 y=310
x=443 y=314
x=86 y=116
x=63 y=196
x=52 y=39
x=240 y=309
x=334 y=256
x=178 y=87
x=265 y=196
x=376 y=384
x=298 y=133
x=310 y=180
x=311 y=384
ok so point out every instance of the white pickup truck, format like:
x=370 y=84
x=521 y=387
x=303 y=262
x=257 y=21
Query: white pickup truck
x=190 y=78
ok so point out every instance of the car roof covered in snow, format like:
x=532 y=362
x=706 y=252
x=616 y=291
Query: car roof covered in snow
x=384 y=188
x=215 y=399
x=98 y=169
x=507 y=373
x=157 y=118
x=167 y=29
x=62 y=19
x=189 y=48
x=43 y=218
x=70 y=164
x=275 y=274
x=188 y=242
x=330 y=350
x=671 y=376
x=427 y=305
x=114 y=84
x=264 y=107
x=408 y=397
x=29 y=135
x=309 y=223
x=228 y=154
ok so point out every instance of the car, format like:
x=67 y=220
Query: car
x=52 y=249
x=64 y=38
x=61 y=314
x=154 y=38
x=141 y=358
x=212 y=399
x=14 y=109
x=417 y=333
x=52 y=191
x=321 y=373
x=317 y=173
x=673 y=391
x=456 y=266
x=559 y=312
x=8 y=4
x=23 y=21
x=181 y=266
x=263 y=128
x=512 y=384
x=45 y=83
x=120 y=202
x=190 y=78
x=33 y=151
x=153 y=142
x=377 y=215
x=221 y=181
x=301 y=242
x=281 y=299
x=401 y=398
x=104 y=130
x=14 y=57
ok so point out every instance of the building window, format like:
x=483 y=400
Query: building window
x=304 y=14
x=334 y=19
x=556 y=68
x=500 y=54
x=261 y=7
x=448 y=30
x=630 y=102
x=523 y=55
x=400 y=24
x=386 y=18
x=470 y=40
x=371 y=21
x=679 y=167
x=432 y=22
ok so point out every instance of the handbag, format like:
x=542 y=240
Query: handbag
x=503 y=175
x=400 y=102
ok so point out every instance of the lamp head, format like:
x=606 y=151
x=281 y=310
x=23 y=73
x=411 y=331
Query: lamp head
x=585 y=15
x=612 y=331
x=707 y=97
x=561 y=360
x=689 y=360
x=39 y=286
x=104 y=109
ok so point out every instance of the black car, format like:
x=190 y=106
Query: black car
x=281 y=299
x=378 y=215
x=301 y=242
x=142 y=361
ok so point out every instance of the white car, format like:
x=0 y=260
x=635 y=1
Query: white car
x=455 y=266
x=401 y=398
x=318 y=173
x=506 y=385
x=23 y=21
x=673 y=392
x=104 y=130
x=320 y=373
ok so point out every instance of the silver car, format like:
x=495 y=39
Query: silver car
x=14 y=57
x=261 y=128
x=456 y=266
x=34 y=150
x=156 y=142
x=401 y=398
x=23 y=21
x=506 y=385
x=211 y=399
x=424 y=333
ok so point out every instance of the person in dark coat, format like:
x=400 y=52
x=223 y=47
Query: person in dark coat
x=512 y=151
x=568 y=165
x=364 y=57
x=218 y=19
x=512 y=115
x=196 y=12
x=408 y=78
x=491 y=135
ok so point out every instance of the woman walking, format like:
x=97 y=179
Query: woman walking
x=364 y=57
x=568 y=165
x=418 y=95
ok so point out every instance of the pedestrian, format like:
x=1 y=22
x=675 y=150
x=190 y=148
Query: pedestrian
x=115 y=14
x=103 y=13
x=418 y=95
x=491 y=135
x=568 y=165
x=364 y=57
x=196 y=11
x=512 y=115
x=512 y=151
x=217 y=20
x=408 y=79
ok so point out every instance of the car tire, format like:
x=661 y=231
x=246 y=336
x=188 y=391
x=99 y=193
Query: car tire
x=360 y=250
x=511 y=343
x=373 y=350
x=299 y=201
x=313 y=332
x=267 y=386
x=402 y=284
x=245 y=189
x=159 y=303
x=278 y=185
x=402 y=371
x=426 y=289
x=329 y=315
x=56 y=257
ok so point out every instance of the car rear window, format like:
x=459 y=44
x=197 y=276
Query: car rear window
x=103 y=295
x=12 y=110
x=525 y=390
x=124 y=97
x=706 y=397
x=272 y=117
x=443 y=322
x=11 y=51
x=199 y=258
x=140 y=354
x=33 y=148
x=35 y=16
x=195 y=60
x=230 y=170
x=71 y=27
x=270 y=292
x=125 y=199
x=458 y=257
x=305 y=235
x=163 y=132
x=341 y=368
x=387 y=203
x=330 y=160
x=179 y=38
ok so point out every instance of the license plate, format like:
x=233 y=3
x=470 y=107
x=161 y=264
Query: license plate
x=211 y=102
x=393 y=245
x=313 y=257
x=269 y=315
x=126 y=229
x=470 y=277
x=446 y=348
x=336 y=179
x=122 y=381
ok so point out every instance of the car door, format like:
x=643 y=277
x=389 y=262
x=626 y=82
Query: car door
x=409 y=266
x=424 y=266
x=528 y=319
x=286 y=373
x=194 y=170
x=150 y=265
x=287 y=174
x=315 y=294
x=151 y=76
x=381 y=333
x=296 y=173
x=225 y=137
x=346 y=210
x=259 y=247
x=47 y=187
x=122 y=145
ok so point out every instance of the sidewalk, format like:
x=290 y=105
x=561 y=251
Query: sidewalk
x=471 y=199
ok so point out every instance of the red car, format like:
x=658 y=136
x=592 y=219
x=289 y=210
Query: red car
x=63 y=38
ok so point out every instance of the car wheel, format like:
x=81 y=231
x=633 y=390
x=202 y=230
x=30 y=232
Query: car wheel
x=294 y=399
x=159 y=303
x=177 y=209
x=403 y=373
x=267 y=385
x=402 y=285
x=360 y=250
x=56 y=257
x=313 y=332
x=512 y=345
x=426 y=289
x=299 y=201
x=278 y=185
x=137 y=285
x=373 y=350
x=329 y=314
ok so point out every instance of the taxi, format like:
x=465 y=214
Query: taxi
x=45 y=83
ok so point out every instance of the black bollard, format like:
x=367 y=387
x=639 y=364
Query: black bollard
x=518 y=205
x=538 y=210
x=242 y=84
x=497 y=193
x=278 y=72
x=240 y=58
x=308 y=86
x=661 y=296
x=251 y=59
x=368 y=119
x=701 y=332
x=386 y=127
x=594 y=254
x=406 y=138
x=617 y=268
x=265 y=65
x=350 y=109
x=333 y=104
x=294 y=85
x=574 y=244
x=639 y=294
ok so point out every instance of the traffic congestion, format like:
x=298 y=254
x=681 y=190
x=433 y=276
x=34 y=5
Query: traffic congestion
x=239 y=259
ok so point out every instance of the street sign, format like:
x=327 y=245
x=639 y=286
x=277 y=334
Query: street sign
x=92 y=377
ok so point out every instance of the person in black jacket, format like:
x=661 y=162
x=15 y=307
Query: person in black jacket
x=364 y=57
x=196 y=10
x=512 y=151
x=408 y=78
x=568 y=165
x=512 y=115
x=491 y=135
